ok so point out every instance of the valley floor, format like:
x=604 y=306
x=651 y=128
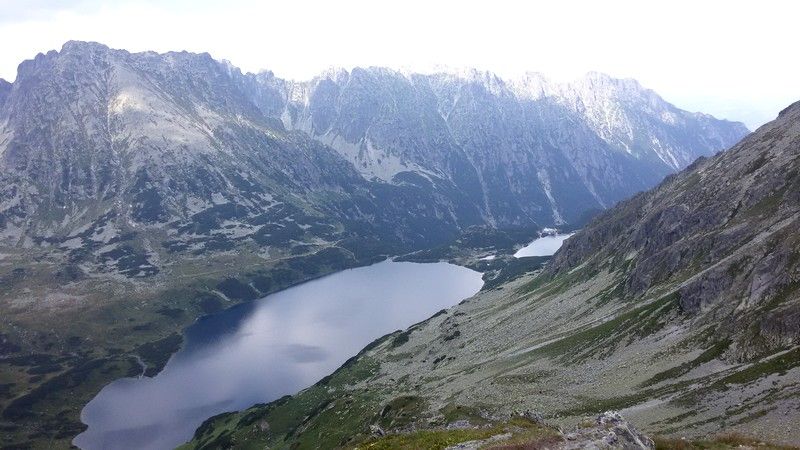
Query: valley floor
x=63 y=338
x=56 y=354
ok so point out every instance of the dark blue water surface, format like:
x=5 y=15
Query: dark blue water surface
x=258 y=352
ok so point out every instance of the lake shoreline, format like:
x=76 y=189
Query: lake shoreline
x=215 y=333
x=155 y=369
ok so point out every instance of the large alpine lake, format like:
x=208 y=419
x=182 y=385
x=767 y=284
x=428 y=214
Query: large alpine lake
x=260 y=351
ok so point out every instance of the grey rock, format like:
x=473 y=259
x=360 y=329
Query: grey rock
x=611 y=431
x=721 y=231
x=121 y=162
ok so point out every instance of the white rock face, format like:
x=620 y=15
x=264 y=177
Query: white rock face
x=525 y=144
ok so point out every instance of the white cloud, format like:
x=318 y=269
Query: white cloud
x=734 y=59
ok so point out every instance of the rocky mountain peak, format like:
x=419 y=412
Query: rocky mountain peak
x=791 y=109
x=75 y=46
x=5 y=91
x=134 y=133
x=601 y=80
x=531 y=85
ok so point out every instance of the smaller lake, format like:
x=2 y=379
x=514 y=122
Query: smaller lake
x=543 y=246
x=260 y=351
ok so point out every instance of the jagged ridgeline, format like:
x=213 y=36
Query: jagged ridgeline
x=120 y=160
x=680 y=306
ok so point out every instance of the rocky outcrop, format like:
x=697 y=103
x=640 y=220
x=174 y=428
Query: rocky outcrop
x=5 y=89
x=610 y=430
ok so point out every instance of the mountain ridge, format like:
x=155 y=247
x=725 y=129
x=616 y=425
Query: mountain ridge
x=546 y=164
x=492 y=84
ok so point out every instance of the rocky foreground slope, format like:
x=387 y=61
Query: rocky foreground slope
x=679 y=307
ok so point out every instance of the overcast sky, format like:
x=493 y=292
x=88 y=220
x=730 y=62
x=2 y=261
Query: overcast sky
x=734 y=59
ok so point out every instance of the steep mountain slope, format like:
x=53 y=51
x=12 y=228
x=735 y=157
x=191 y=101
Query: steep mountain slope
x=109 y=156
x=169 y=143
x=678 y=306
x=516 y=149
x=724 y=233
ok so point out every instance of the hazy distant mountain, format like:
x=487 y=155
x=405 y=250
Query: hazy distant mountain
x=520 y=149
x=124 y=161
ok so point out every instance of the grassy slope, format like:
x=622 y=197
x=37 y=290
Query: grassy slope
x=99 y=329
x=608 y=359
x=73 y=347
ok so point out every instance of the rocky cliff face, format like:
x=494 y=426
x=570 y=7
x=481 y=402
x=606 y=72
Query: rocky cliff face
x=679 y=307
x=724 y=232
x=120 y=160
x=5 y=89
x=517 y=149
